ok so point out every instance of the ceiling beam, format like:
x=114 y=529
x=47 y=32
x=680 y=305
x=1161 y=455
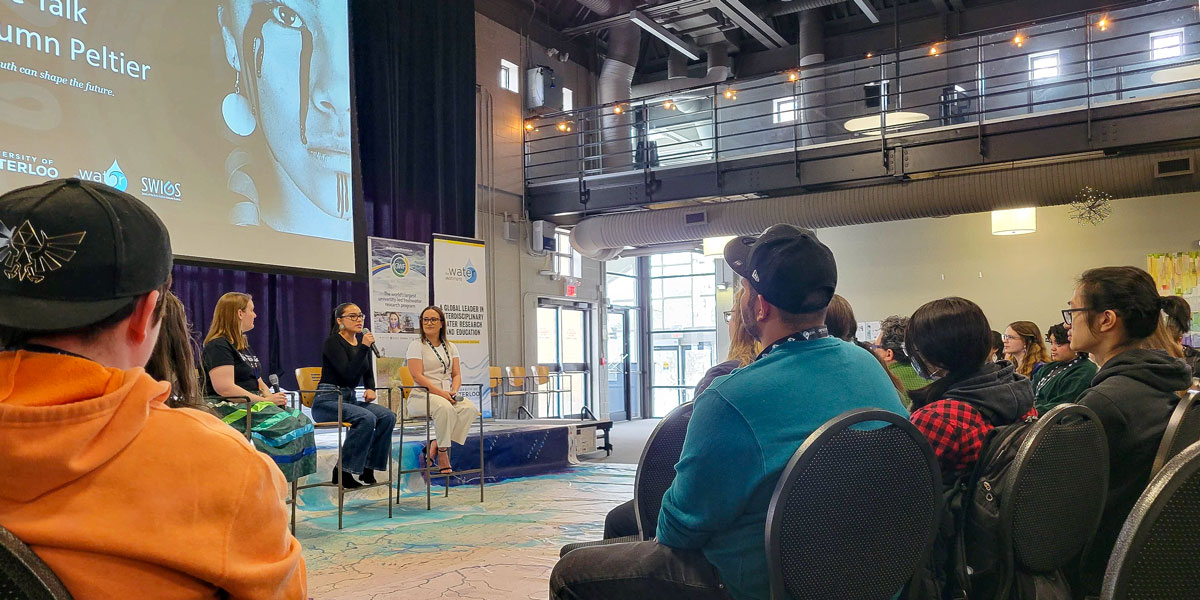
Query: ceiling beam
x=751 y=23
x=868 y=10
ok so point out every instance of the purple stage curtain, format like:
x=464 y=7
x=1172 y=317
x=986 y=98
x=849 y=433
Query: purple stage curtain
x=414 y=88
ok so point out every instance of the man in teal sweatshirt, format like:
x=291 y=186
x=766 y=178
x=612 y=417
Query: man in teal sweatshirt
x=744 y=429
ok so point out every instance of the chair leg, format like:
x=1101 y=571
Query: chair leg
x=400 y=467
x=341 y=477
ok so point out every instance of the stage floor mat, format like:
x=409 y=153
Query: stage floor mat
x=502 y=548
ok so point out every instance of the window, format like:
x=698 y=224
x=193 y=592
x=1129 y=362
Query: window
x=683 y=326
x=784 y=110
x=509 y=76
x=1166 y=44
x=1043 y=65
x=568 y=99
x=566 y=259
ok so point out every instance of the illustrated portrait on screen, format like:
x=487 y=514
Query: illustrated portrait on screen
x=288 y=104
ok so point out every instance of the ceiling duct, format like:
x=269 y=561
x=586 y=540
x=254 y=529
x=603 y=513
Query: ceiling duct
x=994 y=187
x=720 y=67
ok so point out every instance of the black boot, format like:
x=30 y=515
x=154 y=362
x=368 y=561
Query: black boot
x=367 y=477
x=348 y=481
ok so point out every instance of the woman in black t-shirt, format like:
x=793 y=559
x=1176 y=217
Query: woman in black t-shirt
x=346 y=362
x=232 y=371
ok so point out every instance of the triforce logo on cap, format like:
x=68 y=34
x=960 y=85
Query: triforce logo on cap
x=28 y=253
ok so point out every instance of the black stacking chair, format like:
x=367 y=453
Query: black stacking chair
x=1182 y=431
x=655 y=472
x=23 y=576
x=855 y=511
x=1054 y=498
x=1157 y=554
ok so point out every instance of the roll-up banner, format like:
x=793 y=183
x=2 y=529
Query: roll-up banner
x=460 y=289
x=399 y=286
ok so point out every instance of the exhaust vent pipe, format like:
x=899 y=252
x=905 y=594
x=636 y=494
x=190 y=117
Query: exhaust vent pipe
x=603 y=237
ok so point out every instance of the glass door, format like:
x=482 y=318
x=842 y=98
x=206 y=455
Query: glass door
x=618 y=350
x=563 y=347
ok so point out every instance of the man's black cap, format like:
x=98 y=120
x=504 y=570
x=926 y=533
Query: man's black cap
x=73 y=253
x=787 y=265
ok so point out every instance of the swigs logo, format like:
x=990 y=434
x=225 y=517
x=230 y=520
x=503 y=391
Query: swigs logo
x=399 y=265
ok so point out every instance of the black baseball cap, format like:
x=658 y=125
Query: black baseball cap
x=787 y=265
x=73 y=253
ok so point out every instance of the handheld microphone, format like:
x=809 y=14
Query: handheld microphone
x=378 y=354
x=274 y=381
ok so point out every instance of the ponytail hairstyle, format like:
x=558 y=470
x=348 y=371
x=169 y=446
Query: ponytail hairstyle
x=1178 y=314
x=337 y=314
x=1035 y=348
x=951 y=334
x=1130 y=293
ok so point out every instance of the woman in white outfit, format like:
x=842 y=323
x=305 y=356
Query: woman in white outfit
x=433 y=362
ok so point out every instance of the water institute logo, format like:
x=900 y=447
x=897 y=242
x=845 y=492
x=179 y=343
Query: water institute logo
x=469 y=273
x=399 y=265
x=465 y=273
x=114 y=177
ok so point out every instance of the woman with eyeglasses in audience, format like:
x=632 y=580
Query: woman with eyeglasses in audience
x=1064 y=379
x=346 y=363
x=434 y=363
x=1113 y=315
x=950 y=341
x=1023 y=347
x=232 y=375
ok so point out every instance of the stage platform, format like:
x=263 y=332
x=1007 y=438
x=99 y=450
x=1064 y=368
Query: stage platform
x=512 y=448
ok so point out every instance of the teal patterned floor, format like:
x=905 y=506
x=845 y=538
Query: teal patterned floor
x=502 y=548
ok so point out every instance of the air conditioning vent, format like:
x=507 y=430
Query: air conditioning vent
x=695 y=218
x=1173 y=167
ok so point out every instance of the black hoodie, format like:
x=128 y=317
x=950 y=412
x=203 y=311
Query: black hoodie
x=1134 y=394
x=997 y=391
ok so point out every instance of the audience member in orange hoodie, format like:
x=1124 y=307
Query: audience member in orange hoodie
x=119 y=494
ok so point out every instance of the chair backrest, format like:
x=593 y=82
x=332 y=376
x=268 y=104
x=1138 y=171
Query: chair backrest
x=656 y=468
x=1055 y=491
x=24 y=575
x=307 y=379
x=495 y=378
x=404 y=376
x=1157 y=554
x=1182 y=431
x=855 y=510
x=516 y=376
x=542 y=374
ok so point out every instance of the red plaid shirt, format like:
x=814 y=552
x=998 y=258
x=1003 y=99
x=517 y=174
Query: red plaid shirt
x=956 y=431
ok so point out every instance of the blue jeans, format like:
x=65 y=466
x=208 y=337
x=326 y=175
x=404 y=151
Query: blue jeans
x=369 y=441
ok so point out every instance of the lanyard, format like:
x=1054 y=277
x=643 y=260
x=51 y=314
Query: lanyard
x=814 y=333
x=445 y=363
x=1052 y=374
x=44 y=350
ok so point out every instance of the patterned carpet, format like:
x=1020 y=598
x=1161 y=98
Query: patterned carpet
x=502 y=548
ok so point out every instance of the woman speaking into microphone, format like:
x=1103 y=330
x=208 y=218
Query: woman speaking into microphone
x=346 y=362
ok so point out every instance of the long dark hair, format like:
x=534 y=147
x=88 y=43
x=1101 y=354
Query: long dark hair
x=337 y=314
x=1127 y=291
x=441 y=331
x=173 y=359
x=840 y=319
x=953 y=334
x=1178 y=313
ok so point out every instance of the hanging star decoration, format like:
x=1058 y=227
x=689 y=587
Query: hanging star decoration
x=1091 y=206
x=27 y=253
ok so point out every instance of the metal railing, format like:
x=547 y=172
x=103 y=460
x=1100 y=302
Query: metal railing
x=1074 y=64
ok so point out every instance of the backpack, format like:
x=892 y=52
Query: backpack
x=968 y=561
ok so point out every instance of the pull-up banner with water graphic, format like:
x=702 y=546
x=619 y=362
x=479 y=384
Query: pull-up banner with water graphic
x=460 y=289
x=231 y=119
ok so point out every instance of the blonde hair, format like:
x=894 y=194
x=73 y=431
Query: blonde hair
x=1162 y=339
x=1035 y=347
x=742 y=346
x=225 y=322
